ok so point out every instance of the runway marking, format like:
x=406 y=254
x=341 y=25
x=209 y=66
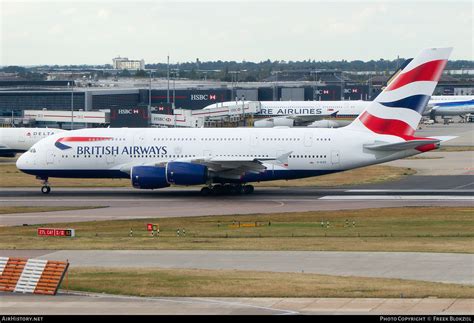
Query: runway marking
x=141 y=200
x=463 y=185
x=448 y=190
x=196 y=300
x=397 y=197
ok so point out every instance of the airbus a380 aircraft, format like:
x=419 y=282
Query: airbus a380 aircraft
x=157 y=158
x=18 y=140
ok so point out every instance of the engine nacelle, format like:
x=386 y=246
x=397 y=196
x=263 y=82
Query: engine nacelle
x=178 y=173
x=274 y=122
x=283 y=122
x=324 y=124
x=182 y=173
x=263 y=124
x=148 y=177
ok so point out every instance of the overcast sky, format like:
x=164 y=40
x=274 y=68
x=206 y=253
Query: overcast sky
x=95 y=31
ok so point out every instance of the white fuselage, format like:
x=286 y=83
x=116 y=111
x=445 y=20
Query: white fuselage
x=114 y=150
x=443 y=105
x=285 y=108
x=451 y=105
x=15 y=140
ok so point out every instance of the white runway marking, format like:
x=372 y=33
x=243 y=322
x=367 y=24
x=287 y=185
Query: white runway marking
x=184 y=300
x=454 y=190
x=398 y=197
x=470 y=184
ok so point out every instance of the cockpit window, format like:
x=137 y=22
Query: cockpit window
x=32 y=150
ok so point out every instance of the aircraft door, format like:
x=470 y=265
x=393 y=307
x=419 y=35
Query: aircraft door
x=308 y=139
x=207 y=153
x=139 y=139
x=50 y=156
x=335 y=157
x=110 y=159
x=253 y=139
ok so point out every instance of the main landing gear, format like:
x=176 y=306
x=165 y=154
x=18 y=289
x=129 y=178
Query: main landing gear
x=227 y=189
x=45 y=189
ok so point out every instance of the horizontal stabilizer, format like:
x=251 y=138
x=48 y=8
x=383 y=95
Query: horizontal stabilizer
x=443 y=138
x=404 y=145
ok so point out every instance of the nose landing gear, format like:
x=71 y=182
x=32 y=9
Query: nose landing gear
x=45 y=189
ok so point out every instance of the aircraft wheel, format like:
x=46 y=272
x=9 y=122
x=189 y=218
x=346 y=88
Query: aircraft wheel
x=248 y=189
x=205 y=191
x=45 y=189
x=237 y=189
x=228 y=189
x=217 y=189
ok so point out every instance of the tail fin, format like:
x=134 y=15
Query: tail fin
x=397 y=110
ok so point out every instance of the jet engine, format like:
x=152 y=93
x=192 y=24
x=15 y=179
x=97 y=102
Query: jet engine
x=283 y=122
x=178 y=173
x=148 y=177
x=324 y=124
x=274 y=122
x=182 y=173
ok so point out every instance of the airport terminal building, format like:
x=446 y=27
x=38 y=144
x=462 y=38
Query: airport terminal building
x=16 y=97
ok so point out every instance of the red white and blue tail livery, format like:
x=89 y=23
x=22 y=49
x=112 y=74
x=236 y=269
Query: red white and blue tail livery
x=398 y=109
x=228 y=159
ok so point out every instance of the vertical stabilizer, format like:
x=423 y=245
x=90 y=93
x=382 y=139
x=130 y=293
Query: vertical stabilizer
x=397 y=110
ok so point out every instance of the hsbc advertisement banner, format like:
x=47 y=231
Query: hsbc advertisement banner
x=190 y=99
x=129 y=117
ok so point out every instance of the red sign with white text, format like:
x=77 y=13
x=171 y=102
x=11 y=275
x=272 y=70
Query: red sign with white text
x=52 y=232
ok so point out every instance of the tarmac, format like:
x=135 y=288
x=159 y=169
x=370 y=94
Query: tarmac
x=127 y=203
x=103 y=304
x=453 y=268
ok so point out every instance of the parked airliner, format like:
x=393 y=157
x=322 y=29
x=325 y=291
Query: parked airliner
x=334 y=114
x=231 y=158
x=444 y=106
x=18 y=140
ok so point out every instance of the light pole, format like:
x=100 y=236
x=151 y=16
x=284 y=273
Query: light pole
x=149 y=93
x=275 y=91
x=175 y=75
x=233 y=75
x=235 y=79
x=168 y=78
x=72 y=105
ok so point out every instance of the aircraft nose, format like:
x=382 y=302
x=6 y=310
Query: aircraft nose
x=22 y=162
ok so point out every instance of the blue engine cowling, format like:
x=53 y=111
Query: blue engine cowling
x=148 y=177
x=181 y=173
x=178 y=173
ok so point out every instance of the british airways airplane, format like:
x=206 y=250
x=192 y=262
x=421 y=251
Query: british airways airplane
x=228 y=159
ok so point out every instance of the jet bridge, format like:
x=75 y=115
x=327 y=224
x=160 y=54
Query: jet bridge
x=217 y=115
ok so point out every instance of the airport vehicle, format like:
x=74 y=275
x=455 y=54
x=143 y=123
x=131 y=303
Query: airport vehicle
x=18 y=140
x=228 y=159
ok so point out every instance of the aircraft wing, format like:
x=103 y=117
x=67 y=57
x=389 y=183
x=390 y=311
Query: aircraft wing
x=224 y=167
x=305 y=119
x=235 y=167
